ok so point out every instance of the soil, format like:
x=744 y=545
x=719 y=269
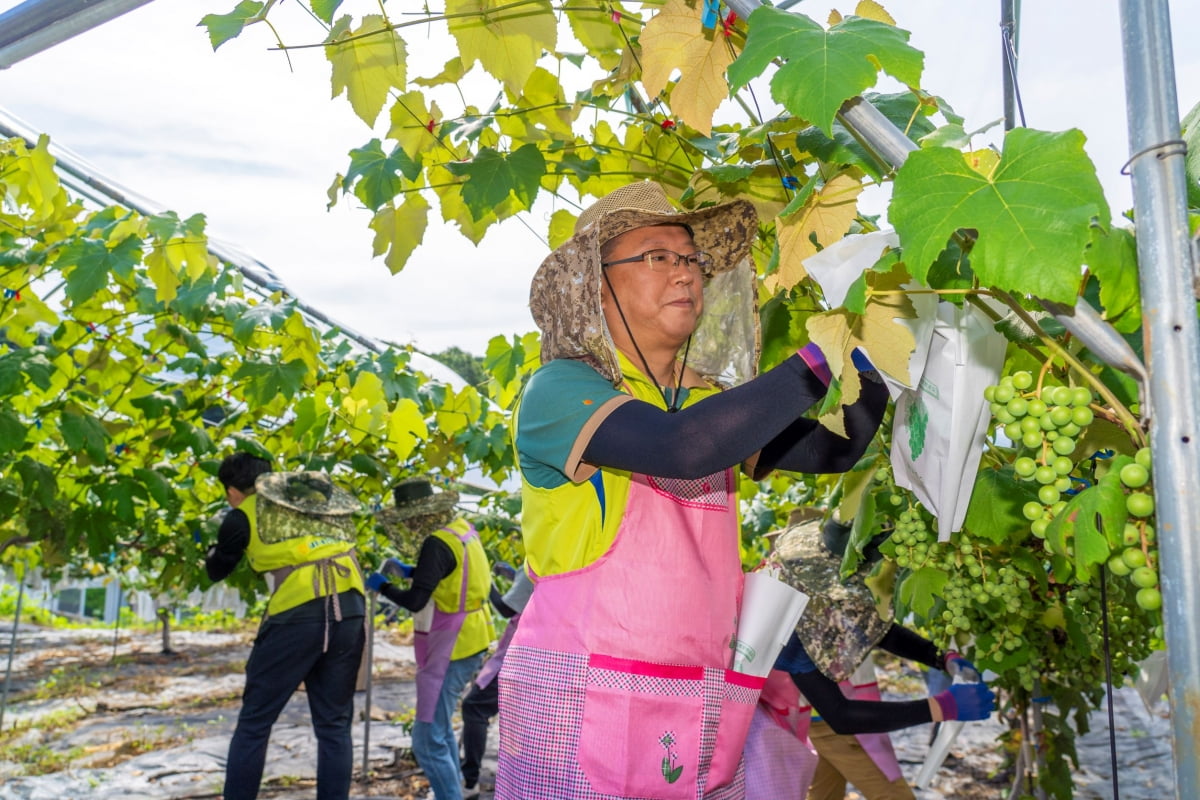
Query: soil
x=97 y=715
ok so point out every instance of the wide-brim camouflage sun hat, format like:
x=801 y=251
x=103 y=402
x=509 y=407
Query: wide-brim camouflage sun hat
x=418 y=511
x=307 y=492
x=564 y=297
x=841 y=623
x=297 y=504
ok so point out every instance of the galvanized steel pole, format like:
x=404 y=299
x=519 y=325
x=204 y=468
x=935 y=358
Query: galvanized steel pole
x=1167 y=266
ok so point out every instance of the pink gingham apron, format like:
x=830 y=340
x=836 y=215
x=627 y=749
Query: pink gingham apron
x=616 y=683
x=780 y=762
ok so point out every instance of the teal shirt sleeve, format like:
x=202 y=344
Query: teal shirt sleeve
x=557 y=403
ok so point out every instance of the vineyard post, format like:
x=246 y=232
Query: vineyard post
x=12 y=645
x=1167 y=265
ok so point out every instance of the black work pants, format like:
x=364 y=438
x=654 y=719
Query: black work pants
x=478 y=708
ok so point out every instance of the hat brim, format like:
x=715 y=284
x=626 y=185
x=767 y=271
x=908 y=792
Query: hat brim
x=271 y=487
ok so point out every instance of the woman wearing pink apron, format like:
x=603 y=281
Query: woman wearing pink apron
x=617 y=683
x=452 y=626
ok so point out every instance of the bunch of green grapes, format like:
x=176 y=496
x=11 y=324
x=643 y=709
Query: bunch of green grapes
x=1046 y=425
x=1136 y=554
x=913 y=539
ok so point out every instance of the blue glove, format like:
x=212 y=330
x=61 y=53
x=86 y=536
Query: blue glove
x=959 y=667
x=966 y=702
x=394 y=566
x=504 y=570
x=860 y=360
x=375 y=581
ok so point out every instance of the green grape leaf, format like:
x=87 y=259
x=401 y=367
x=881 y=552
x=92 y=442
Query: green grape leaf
x=245 y=443
x=92 y=262
x=367 y=64
x=248 y=319
x=38 y=481
x=1082 y=523
x=83 y=432
x=491 y=177
x=154 y=404
x=376 y=176
x=267 y=379
x=325 y=9
x=1112 y=258
x=157 y=486
x=223 y=27
x=823 y=69
x=1190 y=130
x=12 y=432
x=1033 y=211
x=994 y=512
x=921 y=588
x=398 y=231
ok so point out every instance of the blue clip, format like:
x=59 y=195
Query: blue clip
x=711 y=9
x=791 y=182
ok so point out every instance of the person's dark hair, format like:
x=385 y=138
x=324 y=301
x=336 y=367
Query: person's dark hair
x=240 y=469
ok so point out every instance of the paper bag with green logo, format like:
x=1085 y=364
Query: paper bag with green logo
x=938 y=435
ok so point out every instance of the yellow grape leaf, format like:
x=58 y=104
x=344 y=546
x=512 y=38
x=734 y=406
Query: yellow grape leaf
x=674 y=39
x=983 y=161
x=165 y=278
x=826 y=215
x=544 y=107
x=299 y=341
x=405 y=427
x=40 y=188
x=458 y=411
x=19 y=321
x=872 y=10
x=398 y=231
x=854 y=487
x=888 y=343
x=506 y=42
x=365 y=407
x=452 y=72
x=190 y=253
x=834 y=17
x=621 y=75
x=367 y=63
x=600 y=32
x=410 y=124
x=562 y=227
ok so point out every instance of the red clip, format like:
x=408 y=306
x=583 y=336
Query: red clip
x=667 y=124
x=727 y=24
x=616 y=17
x=429 y=125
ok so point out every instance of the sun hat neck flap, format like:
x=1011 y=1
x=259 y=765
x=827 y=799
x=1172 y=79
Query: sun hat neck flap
x=564 y=297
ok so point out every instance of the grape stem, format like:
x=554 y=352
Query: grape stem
x=1128 y=421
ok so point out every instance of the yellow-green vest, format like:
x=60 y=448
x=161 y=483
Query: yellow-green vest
x=297 y=588
x=477 y=631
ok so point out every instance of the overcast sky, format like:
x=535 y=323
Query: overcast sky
x=253 y=145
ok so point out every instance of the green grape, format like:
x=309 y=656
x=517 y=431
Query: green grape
x=1006 y=380
x=1060 y=416
x=1051 y=436
x=1049 y=495
x=1003 y=394
x=1134 y=475
x=1062 y=395
x=1149 y=599
x=1025 y=467
x=1036 y=407
x=1057 y=508
x=1139 y=504
x=1134 y=557
x=1151 y=536
x=989 y=394
x=1143 y=457
x=1022 y=380
x=1063 y=445
x=1032 y=440
x=1045 y=475
x=1013 y=431
x=1017 y=407
x=1117 y=566
x=1081 y=396
x=1131 y=535
x=1082 y=416
x=1070 y=429
x=1032 y=510
x=1062 y=484
x=1144 y=577
x=895 y=499
x=1062 y=465
x=1046 y=423
x=1030 y=425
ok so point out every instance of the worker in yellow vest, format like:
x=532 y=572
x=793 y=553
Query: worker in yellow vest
x=295 y=528
x=452 y=624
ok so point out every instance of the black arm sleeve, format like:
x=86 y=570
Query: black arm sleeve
x=723 y=430
x=908 y=644
x=233 y=537
x=435 y=561
x=858 y=716
x=807 y=446
x=497 y=600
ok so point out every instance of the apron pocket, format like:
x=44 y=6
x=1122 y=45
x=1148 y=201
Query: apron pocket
x=737 y=709
x=641 y=728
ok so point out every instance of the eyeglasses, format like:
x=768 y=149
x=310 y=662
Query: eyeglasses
x=700 y=263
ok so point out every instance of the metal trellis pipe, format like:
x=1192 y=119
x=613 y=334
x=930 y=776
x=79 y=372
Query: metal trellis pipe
x=1167 y=266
